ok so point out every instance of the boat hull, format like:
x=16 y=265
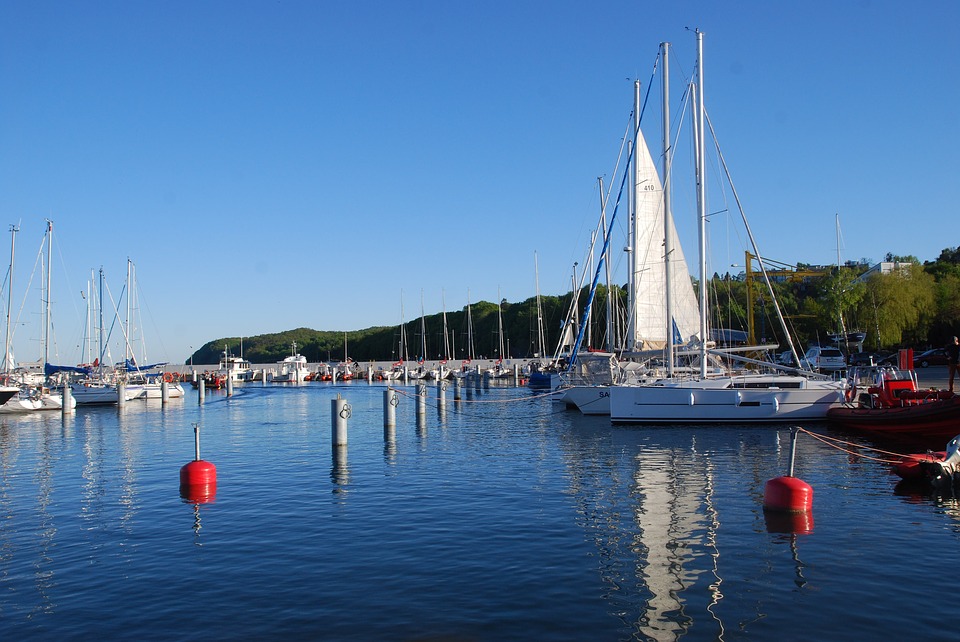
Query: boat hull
x=722 y=402
x=937 y=421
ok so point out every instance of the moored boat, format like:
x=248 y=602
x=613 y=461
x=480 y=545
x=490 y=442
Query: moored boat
x=887 y=401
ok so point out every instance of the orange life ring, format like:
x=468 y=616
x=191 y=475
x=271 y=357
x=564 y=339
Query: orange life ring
x=168 y=377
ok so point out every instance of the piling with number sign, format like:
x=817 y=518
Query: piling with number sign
x=340 y=413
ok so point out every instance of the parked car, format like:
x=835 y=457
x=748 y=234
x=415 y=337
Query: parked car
x=824 y=359
x=872 y=359
x=786 y=359
x=935 y=357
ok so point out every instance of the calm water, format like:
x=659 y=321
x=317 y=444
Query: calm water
x=506 y=519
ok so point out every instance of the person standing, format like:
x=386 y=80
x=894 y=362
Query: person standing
x=953 y=358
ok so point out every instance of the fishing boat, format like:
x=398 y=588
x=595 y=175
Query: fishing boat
x=291 y=369
x=765 y=394
x=887 y=401
x=233 y=367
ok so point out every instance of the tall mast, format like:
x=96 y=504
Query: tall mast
x=423 y=330
x=100 y=329
x=701 y=205
x=127 y=348
x=500 y=323
x=611 y=340
x=7 y=360
x=46 y=307
x=631 y=342
x=446 y=338
x=541 y=341
x=470 y=348
x=667 y=213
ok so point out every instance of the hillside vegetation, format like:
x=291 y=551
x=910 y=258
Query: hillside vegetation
x=916 y=305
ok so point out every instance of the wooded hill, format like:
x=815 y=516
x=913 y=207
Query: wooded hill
x=913 y=306
x=383 y=343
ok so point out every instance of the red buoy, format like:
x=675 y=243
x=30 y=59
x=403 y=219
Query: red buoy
x=198 y=478
x=198 y=481
x=792 y=523
x=788 y=494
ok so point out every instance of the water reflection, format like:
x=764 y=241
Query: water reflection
x=340 y=471
x=649 y=510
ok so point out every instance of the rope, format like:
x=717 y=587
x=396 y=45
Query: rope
x=834 y=442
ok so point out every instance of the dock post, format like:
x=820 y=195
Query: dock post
x=200 y=391
x=66 y=405
x=164 y=392
x=121 y=394
x=229 y=385
x=421 y=398
x=456 y=389
x=340 y=412
x=442 y=395
x=390 y=402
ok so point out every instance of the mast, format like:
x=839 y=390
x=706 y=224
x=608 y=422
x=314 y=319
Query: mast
x=100 y=329
x=631 y=343
x=667 y=213
x=46 y=306
x=423 y=331
x=7 y=360
x=470 y=347
x=402 y=357
x=127 y=348
x=701 y=205
x=500 y=325
x=446 y=338
x=611 y=340
x=541 y=340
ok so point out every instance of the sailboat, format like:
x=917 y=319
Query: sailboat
x=662 y=307
x=9 y=392
x=140 y=382
x=750 y=396
x=34 y=393
x=98 y=388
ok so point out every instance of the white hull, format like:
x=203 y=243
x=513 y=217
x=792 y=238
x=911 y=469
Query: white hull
x=152 y=391
x=33 y=403
x=89 y=395
x=590 y=400
x=748 y=399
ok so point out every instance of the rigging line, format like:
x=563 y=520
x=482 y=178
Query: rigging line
x=753 y=243
x=833 y=441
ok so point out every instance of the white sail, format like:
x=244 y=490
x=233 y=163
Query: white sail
x=647 y=309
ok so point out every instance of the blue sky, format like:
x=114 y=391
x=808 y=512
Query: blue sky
x=275 y=165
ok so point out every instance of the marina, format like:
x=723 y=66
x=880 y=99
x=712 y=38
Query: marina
x=498 y=516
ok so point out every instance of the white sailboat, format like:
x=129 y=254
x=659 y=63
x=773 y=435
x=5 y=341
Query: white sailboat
x=760 y=397
x=34 y=393
x=662 y=306
x=141 y=383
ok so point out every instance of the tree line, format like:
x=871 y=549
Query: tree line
x=914 y=304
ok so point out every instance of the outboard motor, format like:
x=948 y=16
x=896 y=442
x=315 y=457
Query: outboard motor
x=943 y=474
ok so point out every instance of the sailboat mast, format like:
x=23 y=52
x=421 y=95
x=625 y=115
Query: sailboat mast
x=541 y=340
x=500 y=323
x=701 y=205
x=423 y=331
x=446 y=337
x=100 y=329
x=7 y=360
x=126 y=349
x=46 y=306
x=631 y=342
x=470 y=347
x=611 y=340
x=667 y=213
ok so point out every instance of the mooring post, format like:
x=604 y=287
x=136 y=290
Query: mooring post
x=340 y=413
